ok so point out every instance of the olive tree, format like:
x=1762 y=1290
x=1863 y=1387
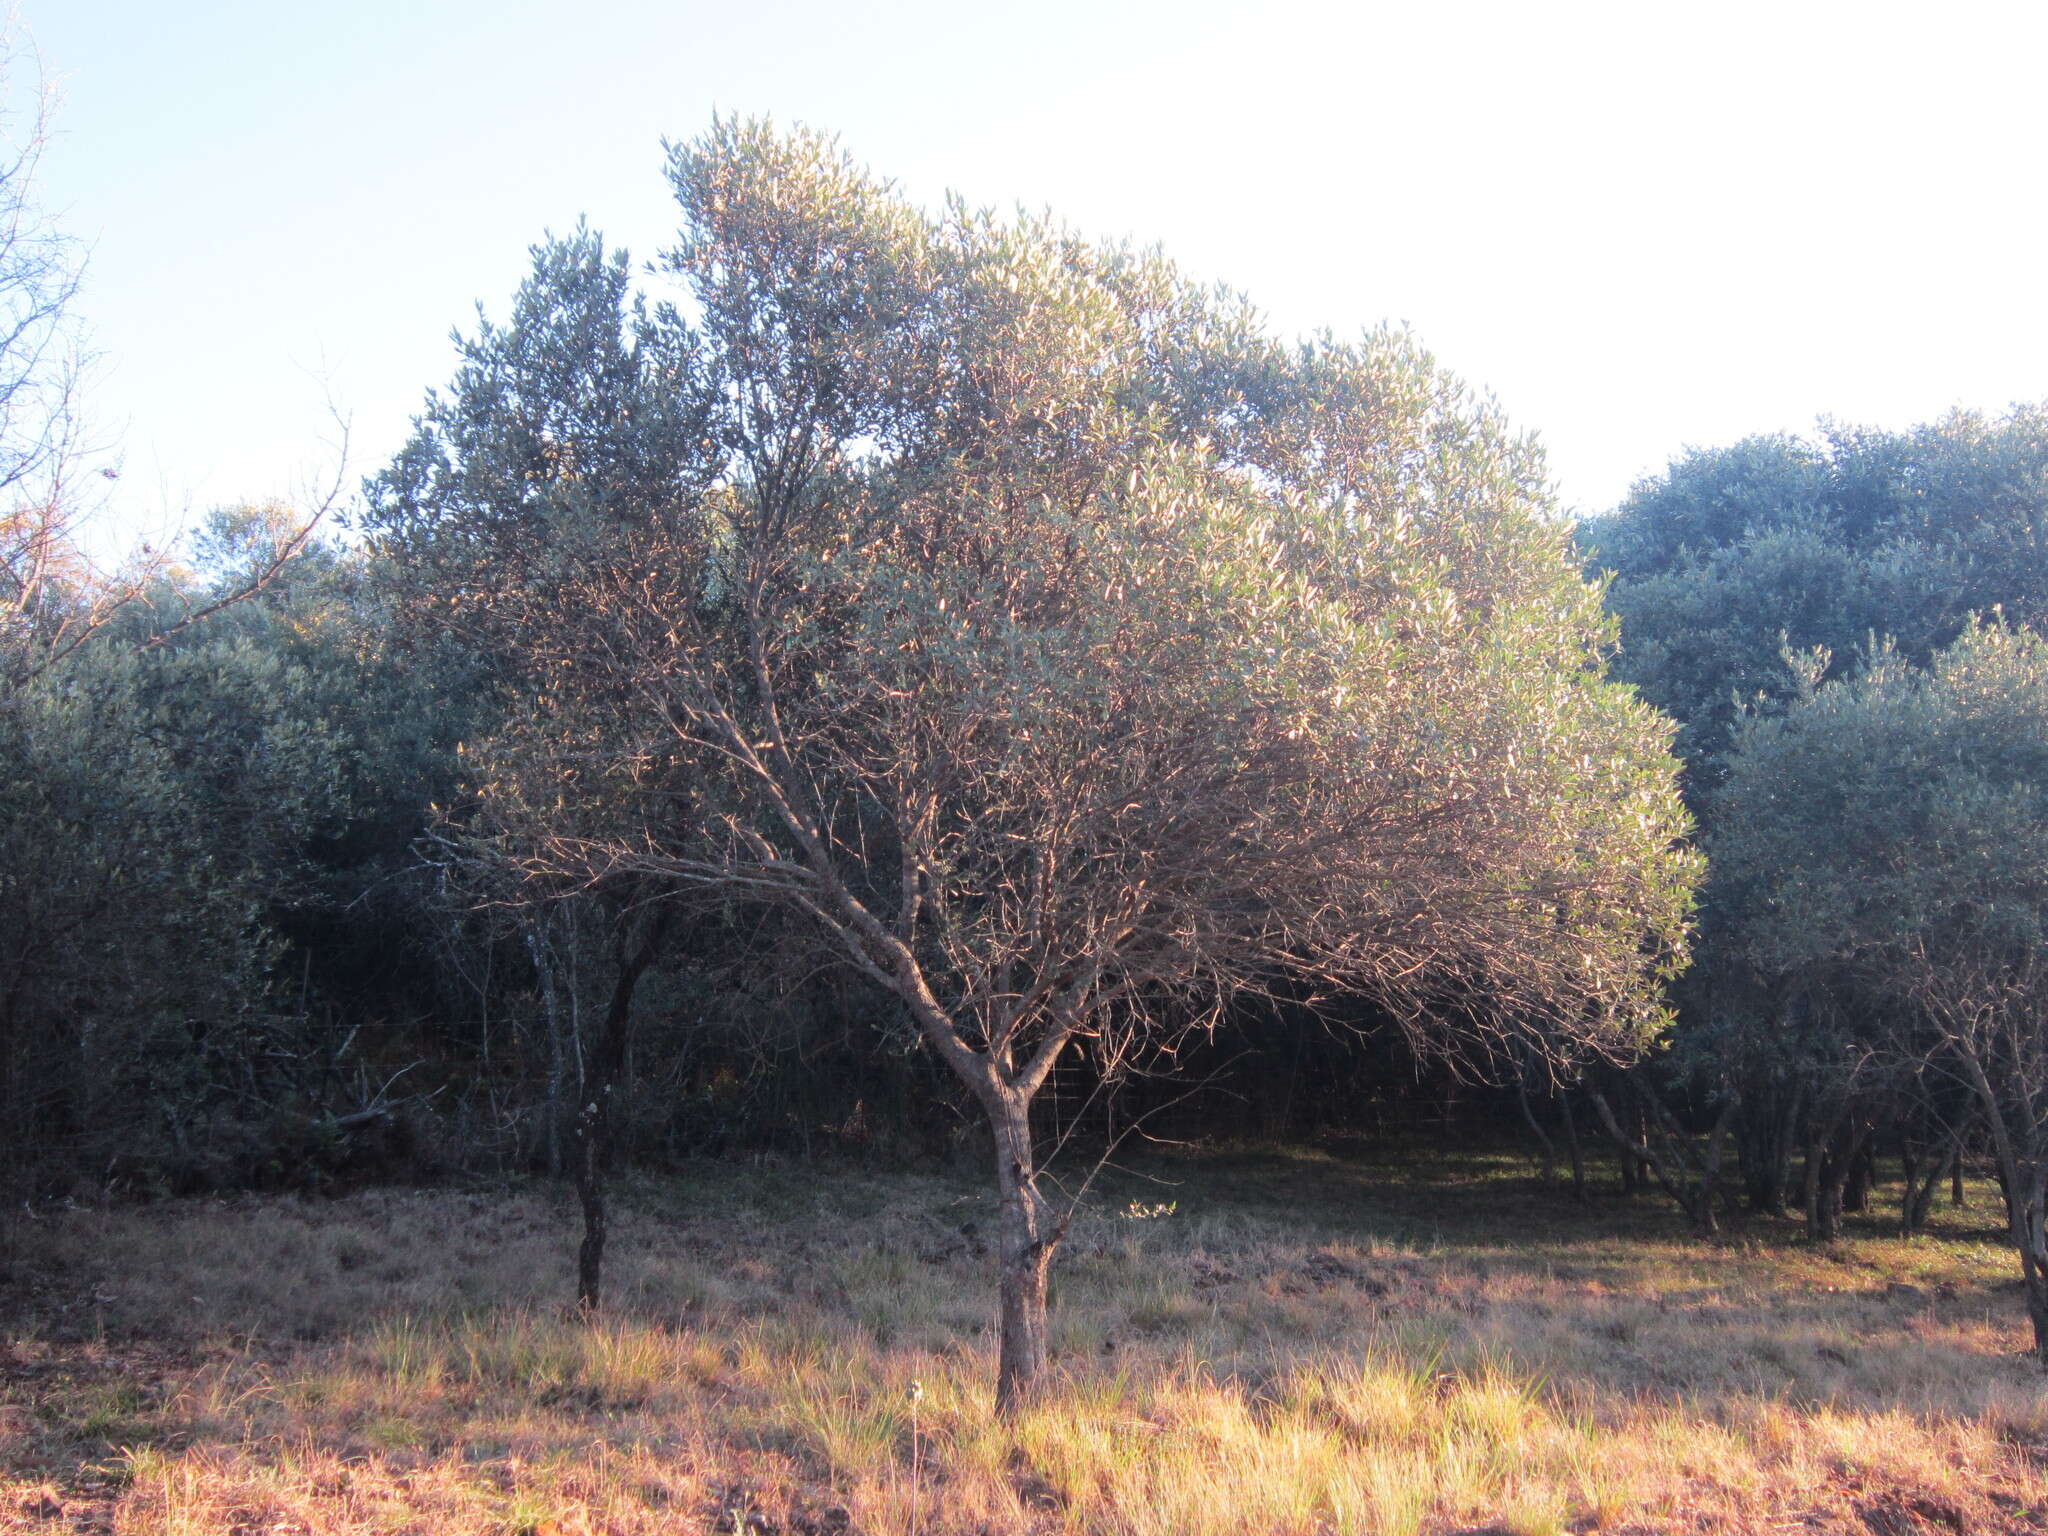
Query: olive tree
x=567 y=425
x=1071 y=657
x=156 y=802
x=1892 y=832
x=125 y=917
x=1744 y=577
x=1736 y=563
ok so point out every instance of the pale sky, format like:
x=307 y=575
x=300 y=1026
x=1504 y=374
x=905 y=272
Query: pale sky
x=1639 y=226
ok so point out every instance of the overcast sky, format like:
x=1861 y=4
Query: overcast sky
x=1640 y=226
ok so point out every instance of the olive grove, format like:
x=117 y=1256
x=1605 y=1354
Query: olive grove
x=1889 y=835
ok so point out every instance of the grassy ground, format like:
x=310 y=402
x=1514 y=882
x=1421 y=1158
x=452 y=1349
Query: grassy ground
x=1257 y=1341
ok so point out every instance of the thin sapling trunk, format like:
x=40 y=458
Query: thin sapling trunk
x=594 y=1118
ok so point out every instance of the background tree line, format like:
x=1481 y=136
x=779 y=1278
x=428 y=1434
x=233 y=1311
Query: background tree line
x=911 y=680
x=1847 y=631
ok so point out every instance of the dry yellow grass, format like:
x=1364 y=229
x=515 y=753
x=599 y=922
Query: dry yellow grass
x=1273 y=1343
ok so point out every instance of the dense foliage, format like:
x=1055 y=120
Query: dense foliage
x=1058 y=653
x=1846 y=631
x=909 y=679
x=1733 y=555
x=1886 y=844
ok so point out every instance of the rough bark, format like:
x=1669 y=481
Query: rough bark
x=1766 y=1140
x=2028 y=1222
x=1823 y=1222
x=1630 y=1168
x=1809 y=1183
x=1710 y=1171
x=1786 y=1145
x=544 y=973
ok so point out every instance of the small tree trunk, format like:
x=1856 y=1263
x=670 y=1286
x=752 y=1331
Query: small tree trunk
x=1025 y=1247
x=1549 y=1164
x=1770 y=1195
x=1856 y=1185
x=1824 y=1222
x=1809 y=1186
x=1692 y=1194
x=1787 y=1145
x=1633 y=1168
x=1571 y=1141
x=2023 y=1175
x=1922 y=1177
x=2034 y=1267
x=594 y=1118
x=2027 y=1209
x=1820 y=1138
x=1826 y=1182
x=1710 y=1172
x=1768 y=1143
x=1753 y=1164
x=544 y=973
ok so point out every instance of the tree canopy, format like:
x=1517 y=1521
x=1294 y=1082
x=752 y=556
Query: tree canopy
x=1734 y=554
x=1885 y=842
x=1067 y=653
x=1749 y=580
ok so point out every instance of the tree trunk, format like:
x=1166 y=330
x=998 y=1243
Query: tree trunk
x=2023 y=1174
x=2034 y=1264
x=1782 y=1153
x=1824 y=1222
x=1025 y=1247
x=1922 y=1178
x=1824 y=1219
x=1549 y=1159
x=1754 y=1164
x=1756 y=1144
x=1667 y=1157
x=1710 y=1171
x=594 y=1119
x=1767 y=1141
x=2028 y=1222
x=1821 y=1179
x=1646 y=1166
x=1859 y=1176
x=544 y=973
x=1571 y=1141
